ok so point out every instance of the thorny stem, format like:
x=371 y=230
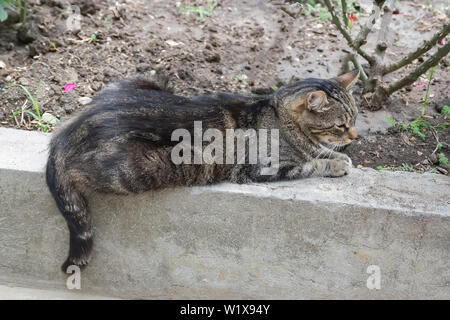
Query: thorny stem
x=23 y=10
x=344 y=12
x=433 y=131
x=426 y=94
x=427 y=64
x=347 y=37
x=426 y=46
x=357 y=65
x=378 y=69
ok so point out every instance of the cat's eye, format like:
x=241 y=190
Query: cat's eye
x=342 y=127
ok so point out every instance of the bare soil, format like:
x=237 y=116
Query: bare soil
x=245 y=46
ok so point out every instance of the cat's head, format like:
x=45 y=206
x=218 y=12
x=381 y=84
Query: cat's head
x=322 y=109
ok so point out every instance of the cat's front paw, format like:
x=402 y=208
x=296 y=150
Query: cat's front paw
x=340 y=167
x=343 y=157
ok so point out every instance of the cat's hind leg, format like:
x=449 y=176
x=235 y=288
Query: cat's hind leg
x=72 y=204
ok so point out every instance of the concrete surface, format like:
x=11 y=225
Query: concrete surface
x=18 y=293
x=305 y=239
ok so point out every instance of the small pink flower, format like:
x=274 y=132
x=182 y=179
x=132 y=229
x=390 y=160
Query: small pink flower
x=69 y=86
x=352 y=17
x=420 y=84
x=442 y=42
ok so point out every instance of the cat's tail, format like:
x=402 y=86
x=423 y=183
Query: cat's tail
x=73 y=206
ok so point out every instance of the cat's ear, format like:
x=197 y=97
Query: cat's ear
x=348 y=79
x=316 y=101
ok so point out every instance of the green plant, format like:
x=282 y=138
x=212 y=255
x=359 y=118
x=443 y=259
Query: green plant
x=427 y=92
x=445 y=111
x=312 y=7
x=4 y=4
x=443 y=160
x=241 y=79
x=42 y=124
x=417 y=126
x=404 y=167
x=13 y=5
x=202 y=12
x=407 y=167
x=420 y=125
x=346 y=8
x=385 y=168
x=391 y=121
x=94 y=37
x=442 y=126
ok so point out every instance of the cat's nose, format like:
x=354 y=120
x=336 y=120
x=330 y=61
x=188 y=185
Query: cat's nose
x=352 y=133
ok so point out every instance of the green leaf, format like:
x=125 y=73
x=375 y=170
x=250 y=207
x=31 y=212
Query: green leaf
x=405 y=127
x=445 y=111
x=390 y=120
x=442 y=126
x=443 y=160
x=4 y=4
x=15 y=114
x=3 y=15
x=32 y=114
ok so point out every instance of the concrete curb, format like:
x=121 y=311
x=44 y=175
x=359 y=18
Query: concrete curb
x=306 y=239
x=18 y=293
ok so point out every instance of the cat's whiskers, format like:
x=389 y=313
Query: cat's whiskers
x=323 y=151
x=331 y=151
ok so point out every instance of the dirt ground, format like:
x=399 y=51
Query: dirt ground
x=245 y=46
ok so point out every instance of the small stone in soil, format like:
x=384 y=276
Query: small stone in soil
x=49 y=118
x=433 y=158
x=84 y=100
x=442 y=170
x=214 y=57
x=27 y=33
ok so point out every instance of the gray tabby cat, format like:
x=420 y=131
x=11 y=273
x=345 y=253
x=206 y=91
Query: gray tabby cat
x=122 y=142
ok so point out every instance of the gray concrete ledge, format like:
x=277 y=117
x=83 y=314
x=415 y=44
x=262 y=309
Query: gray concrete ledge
x=305 y=239
x=19 y=293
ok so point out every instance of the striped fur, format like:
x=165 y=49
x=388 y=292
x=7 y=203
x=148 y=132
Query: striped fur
x=122 y=142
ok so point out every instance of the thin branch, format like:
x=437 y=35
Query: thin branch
x=344 y=12
x=430 y=62
x=426 y=46
x=357 y=65
x=433 y=131
x=347 y=37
